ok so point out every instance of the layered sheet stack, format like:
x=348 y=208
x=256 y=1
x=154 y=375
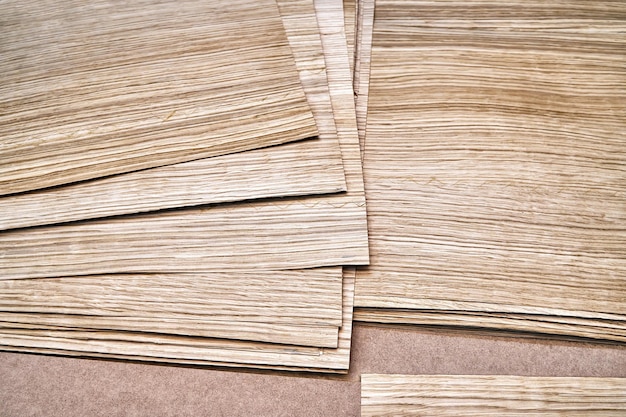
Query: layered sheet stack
x=184 y=182
x=180 y=182
x=495 y=166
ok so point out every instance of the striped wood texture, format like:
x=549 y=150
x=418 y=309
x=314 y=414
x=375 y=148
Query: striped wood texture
x=290 y=234
x=267 y=306
x=301 y=168
x=495 y=159
x=527 y=325
x=349 y=24
x=186 y=350
x=331 y=21
x=335 y=360
x=460 y=395
x=111 y=87
x=288 y=334
x=363 y=55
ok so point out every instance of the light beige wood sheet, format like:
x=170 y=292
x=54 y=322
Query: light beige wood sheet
x=90 y=90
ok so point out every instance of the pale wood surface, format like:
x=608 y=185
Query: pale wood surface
x=495 y=158
x=267 y=306
x=363 y=55
x=460 y=395
x=290 y=234
x=185 y=350
x=262 y=296
x=110 y=87
x=349 y=19
x=289 y=334
x=302 y=168
x=243 y=353
x=331 y=21
x=526 y=325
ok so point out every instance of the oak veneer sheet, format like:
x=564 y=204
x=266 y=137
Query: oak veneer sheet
x=301 y=168
x=90 y=90
x=267 y=306
x=331 y=22
x=460 y=395
x=287 y=234
x=232 y=353
x=290 y=234
x=188 y=350
x=495 y=158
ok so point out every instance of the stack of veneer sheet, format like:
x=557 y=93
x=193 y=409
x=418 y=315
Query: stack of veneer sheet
x=183 y=181
x=495 y=165
x=180 y=182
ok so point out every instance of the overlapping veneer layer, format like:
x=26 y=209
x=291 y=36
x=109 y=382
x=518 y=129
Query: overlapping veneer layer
x=262 y=305
x=187 y=350
x=301 y=168
x=266 y=316
x=291 y=234
x=494 y=161
x=112 y=87
x=363 y=55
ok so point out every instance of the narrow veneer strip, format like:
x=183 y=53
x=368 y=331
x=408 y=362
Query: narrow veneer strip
x=497 y=395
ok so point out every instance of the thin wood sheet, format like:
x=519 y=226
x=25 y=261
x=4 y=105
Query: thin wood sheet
x=301 y=168
x=495 y=159
x=305 y=335
x=265 y=306
x=349 y=19
x=460 y=395
x=597 y=330
x=289 y=234
x=96 y=89
x=294 y=169
x=331 y=21
x=248 y=354
x=187 y=350
x=363 y=55
x=291 y=307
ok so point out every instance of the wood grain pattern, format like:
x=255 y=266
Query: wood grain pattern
x=291 y=234
x=455 y=395
x=363 y=56
x=247 y=354
x=281 y=333
x=331 y=21
x=495 y=158
x=526 y=325
x=349 y=19
x=100 y=89
x=262 y=306
x=261 y=296
x=302 y=168
x=185 y=350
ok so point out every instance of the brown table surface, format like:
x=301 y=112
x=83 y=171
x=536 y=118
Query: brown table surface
x=40 y=385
